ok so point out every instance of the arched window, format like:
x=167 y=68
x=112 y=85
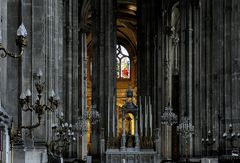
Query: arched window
x=123 y=63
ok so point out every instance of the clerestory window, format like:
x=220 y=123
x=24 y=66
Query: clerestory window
x=123 y=63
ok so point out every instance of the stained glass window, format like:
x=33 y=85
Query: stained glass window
x=123 y=63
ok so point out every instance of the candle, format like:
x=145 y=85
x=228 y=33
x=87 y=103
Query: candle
x=108 y=116
x=113 y=116
x=146 y=116
x=140 y=116
x=150 y=116
x=0 y=35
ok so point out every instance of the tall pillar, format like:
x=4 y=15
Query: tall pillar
x=186 y=66
x=151 y=59
x=82 y=148
x=104 y=63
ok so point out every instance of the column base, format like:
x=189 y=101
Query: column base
x=30 y=155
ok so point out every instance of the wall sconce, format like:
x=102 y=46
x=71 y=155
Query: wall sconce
x=230 y=136
x=38 y=107
x=21 y=42
x=208 y=141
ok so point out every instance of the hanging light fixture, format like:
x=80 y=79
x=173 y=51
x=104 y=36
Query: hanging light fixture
x=168 y=117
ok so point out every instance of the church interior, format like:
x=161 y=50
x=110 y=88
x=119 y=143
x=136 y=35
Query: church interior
x=119 y=81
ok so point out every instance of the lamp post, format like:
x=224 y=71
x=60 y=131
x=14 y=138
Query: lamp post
x=21 y=42
x=208 y=141
x=185 y=129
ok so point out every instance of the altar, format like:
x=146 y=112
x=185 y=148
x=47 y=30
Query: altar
x=132 y=145
x=130 y=156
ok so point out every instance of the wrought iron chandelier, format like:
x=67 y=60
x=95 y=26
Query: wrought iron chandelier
x=168 y=117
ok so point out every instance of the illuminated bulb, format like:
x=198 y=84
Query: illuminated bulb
x=22 y=96
x=52 y=93
x=22 y=31
x=39 y=73
x=66 y=124
x=28 y=93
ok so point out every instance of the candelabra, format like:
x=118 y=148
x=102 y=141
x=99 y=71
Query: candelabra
x=81 y=127
x=208 y=141
x=37 y=107
x=185 y=129
x=92 y=117
x=168 y=118
x=21 y=42
x=63 y=136
x=230 y=135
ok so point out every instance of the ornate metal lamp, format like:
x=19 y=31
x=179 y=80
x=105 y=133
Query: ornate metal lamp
x=230 y=136
x=208 y=141
x=185 y=129
x=38 y=107
x=81 y=126
x=63 y=136
x=21 y=42
x=92 y=117
x=168 y=117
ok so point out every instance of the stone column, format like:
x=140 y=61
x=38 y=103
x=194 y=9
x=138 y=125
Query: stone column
x=150 y=58
x=82 y=149
x=123 y=141
x=186 y=73
x=104 y=62
x=3 y=61
x=137 y=145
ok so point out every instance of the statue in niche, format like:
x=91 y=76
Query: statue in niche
x=130 y=130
